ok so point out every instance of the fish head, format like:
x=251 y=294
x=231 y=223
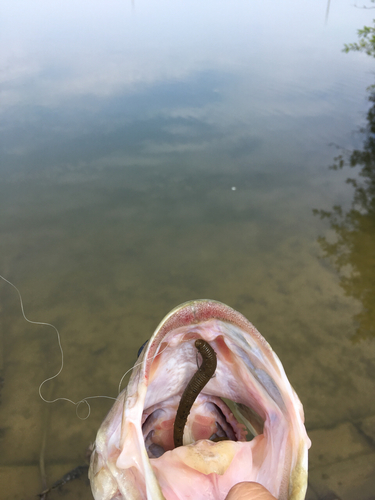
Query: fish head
x=246 y=424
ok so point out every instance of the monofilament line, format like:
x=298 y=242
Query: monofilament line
x=43 y=324
x=78 y=403
x=138 y=364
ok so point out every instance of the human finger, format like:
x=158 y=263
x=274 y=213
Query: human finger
x=249 y=491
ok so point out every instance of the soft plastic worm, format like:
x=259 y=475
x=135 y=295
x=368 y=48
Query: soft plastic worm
x=194 y=387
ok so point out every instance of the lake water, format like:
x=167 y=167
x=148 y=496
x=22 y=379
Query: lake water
x=158 y=152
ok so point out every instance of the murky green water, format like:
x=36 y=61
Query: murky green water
x=156 y=153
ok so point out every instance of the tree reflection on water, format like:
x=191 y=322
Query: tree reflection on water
x=353 y=251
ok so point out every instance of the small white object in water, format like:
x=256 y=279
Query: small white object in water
x=234 y=188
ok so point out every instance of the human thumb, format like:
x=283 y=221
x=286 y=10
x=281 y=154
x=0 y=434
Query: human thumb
x=249 y=491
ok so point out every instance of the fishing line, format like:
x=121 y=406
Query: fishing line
x=122 y=378
x=138 y=364
x=76 y=404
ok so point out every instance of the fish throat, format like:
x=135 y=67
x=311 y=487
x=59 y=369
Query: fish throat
x=194 y=387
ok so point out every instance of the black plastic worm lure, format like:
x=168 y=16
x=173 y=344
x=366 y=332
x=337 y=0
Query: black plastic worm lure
x=194 y=387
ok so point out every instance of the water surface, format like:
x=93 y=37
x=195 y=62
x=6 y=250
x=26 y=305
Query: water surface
x=153 y=153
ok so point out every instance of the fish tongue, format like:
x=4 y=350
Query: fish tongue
x=206 y=456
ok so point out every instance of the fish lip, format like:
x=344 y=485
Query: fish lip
x=194 y=312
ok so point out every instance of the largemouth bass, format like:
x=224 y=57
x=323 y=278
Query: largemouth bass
x=244 y=422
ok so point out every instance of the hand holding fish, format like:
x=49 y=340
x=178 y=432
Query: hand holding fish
x=249 y=491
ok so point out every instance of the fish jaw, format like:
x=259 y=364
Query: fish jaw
x=248 y=373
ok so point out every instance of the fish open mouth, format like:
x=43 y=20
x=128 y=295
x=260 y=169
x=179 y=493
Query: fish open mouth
x=210 y=418
x=244 y=424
